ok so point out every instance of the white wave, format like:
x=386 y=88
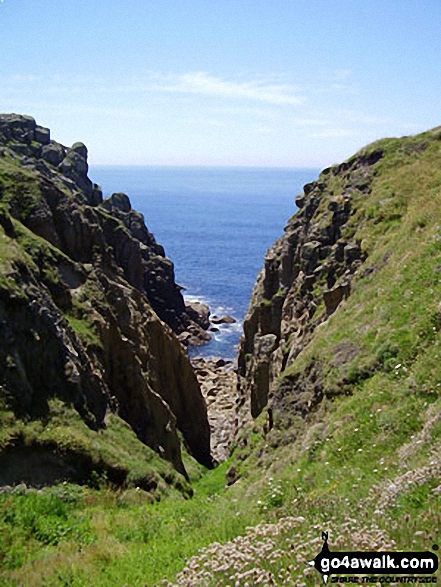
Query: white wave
x=191 y=299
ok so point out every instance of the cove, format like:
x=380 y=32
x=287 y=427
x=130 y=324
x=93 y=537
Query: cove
x=216 y=224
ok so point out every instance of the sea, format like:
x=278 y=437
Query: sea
x=216 y=225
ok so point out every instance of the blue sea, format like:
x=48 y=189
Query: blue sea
x=216 y=225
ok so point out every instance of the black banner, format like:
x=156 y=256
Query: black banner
x=328 y=562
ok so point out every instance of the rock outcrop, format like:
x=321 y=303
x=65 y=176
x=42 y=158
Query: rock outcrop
x=89 y=306
x=306 y=278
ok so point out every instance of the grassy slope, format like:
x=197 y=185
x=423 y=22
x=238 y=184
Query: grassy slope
x=365 y=467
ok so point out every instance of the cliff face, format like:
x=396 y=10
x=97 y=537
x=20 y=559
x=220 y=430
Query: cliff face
x=301 y=344
x=88 y=301
x=307 y=274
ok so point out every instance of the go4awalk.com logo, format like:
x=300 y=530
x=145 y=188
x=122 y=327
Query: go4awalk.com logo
x=376 y=563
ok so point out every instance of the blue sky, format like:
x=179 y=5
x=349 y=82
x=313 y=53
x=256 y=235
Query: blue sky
x=222 y=82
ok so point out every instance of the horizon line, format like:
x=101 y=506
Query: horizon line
x=207 y=166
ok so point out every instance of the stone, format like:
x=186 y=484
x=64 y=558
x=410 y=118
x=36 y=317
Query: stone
x=119 y=201
x=20 y=148
x=334 y=297
x=310 y=253
x=80 y=149
x=223 y=320
x=18 y=127
x=199 y=313
x=300 y=201
x=233 y=475
x=73 y=165
x=42 y=135
x=266 y=344
x=352 y=252
x=96 y=197
x=309 y=250
x=53 y=153
x=218 y=384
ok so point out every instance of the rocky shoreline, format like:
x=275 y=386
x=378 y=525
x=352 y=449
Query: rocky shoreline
x=202 y=324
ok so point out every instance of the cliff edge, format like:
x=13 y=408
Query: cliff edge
x=89 y=312
x=341 y=295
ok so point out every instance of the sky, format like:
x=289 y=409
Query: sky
x=272 y=83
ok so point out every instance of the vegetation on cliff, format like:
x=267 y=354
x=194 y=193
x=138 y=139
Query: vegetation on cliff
x=86 y=294
x=338 y=415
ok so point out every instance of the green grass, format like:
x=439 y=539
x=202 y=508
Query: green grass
x=85 y=329
x=334 y=471
x=364 y=466
x=64 y=433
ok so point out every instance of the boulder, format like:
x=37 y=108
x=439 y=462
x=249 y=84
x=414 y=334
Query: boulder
x=199 y=313
x=223 y=320
x=74 y=164
x=42 y=135
x=75 y=167
x=80 y=149
x=310 y=255
x=118 y=201
x=53 y=153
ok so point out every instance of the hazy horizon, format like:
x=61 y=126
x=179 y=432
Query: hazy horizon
x=286 y=84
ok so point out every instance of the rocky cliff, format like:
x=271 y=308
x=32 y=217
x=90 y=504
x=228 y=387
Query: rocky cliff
x=89 y=308
x=346 y=237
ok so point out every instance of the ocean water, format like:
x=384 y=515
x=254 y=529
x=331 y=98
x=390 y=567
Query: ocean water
x=216 y=225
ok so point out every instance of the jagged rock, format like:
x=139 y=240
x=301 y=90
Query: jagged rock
x=307 y=274
x=82 y=321
x=310 y=255
x=20 y=148
x=96 y=197
x=199 y=313
x=17 y=126
x=334 y=296
x=145 y=265
x=118 y=201
x=300 y=201
x=53 y=153
x=80 y=149
x=42 y=135
x=75 y=167
x=352 y=252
